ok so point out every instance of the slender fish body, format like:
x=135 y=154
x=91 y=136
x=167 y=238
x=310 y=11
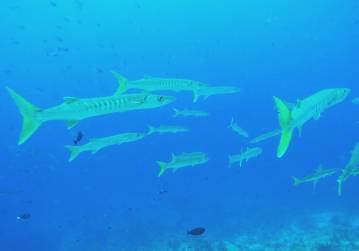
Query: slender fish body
x=248 y=154
x=351 y=169
x=166 y=129
x=95 y=145
x=183 y=160
x=73 y=110
x=189 y=113
x=319 y=174
x=237 y=129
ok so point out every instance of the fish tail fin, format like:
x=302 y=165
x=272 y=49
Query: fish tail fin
x=163 y=168
x=340 y=187
x=196 y=96
x=230 y=161
x=285 y=117
x=231 y=122
x=151 y=130
x=30 y=122
x=74 y=152
x=296 y=181
x=122 y=81
x=176 y=111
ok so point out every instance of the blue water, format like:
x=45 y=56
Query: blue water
x=113 y=200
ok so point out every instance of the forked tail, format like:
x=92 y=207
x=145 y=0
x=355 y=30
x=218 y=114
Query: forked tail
x=340 y=186
x=176 y=112
x=151 y=130
x=28 y=111
x=296 y=181
x=163 y=167
x=74 y=152
x=231 y=123
x=122 y=81
x=285 y=117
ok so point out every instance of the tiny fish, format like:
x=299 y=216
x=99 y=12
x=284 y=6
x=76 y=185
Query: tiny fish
x=78 y=138
x=24 y=216
x=196 y=231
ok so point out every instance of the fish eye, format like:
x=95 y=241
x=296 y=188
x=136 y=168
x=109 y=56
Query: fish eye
x=160 y=98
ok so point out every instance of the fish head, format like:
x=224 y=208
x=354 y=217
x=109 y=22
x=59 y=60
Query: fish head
x=159 y=100
x=337 y=95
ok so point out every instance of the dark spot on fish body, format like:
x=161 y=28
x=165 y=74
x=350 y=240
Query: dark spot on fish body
x=24 y=216
x=162 y=192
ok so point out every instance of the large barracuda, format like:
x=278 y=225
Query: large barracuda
x=74 y=109
x=95 y=145
x=309 y=108
x=151 y=84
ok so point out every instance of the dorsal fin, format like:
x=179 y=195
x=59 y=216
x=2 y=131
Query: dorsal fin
x=319 y=168
x=69 y=100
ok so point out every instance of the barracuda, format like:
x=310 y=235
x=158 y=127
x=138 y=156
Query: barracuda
x=351 y=169
x=319 y=174
x=309 y=108
x=183 y=160
x=237 y=129
x=248 y=154
x=95 y=145
x=162 y=84
x=73 y=110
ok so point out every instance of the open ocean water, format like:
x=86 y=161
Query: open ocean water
x=114 y=200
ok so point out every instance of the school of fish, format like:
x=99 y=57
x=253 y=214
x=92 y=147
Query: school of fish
x=291 y=116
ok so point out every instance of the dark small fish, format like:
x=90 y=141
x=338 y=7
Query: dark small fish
x=24 y=216
x=162 y=192
x=63 y=49
x=78 y=138
x=53 y=4
x=196 y=231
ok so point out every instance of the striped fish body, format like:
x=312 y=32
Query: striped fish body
x=74 y=109
x=312 y=106
x=165 y=84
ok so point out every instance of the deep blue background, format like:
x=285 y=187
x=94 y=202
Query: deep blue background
x=68 y=48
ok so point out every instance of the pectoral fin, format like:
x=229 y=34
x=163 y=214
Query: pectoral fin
x=71 y=123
